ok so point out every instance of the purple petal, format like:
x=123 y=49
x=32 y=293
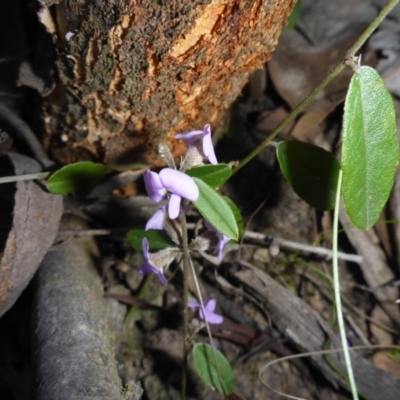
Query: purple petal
x=157 y=220
x=212 y=318
x=179 y=183
x=174 y=206
x=210 y=306
x=145 y=248
x=154 y=187
x=190 y=138
x=223 y=240
x=161 y=277
x=147 y=268
x=208 y=147
x=193 y=304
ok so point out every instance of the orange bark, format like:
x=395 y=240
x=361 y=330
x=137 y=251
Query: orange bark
x=130 y=76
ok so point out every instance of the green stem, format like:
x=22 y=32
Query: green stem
x=27 y=177
x=336 y=285
x=339 y=68
x=186 y=261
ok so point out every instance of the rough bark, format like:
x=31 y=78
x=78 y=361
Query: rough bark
x=132 y=73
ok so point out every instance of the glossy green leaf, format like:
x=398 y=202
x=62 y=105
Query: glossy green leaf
x=158 y=240
x=213 y=175
x=311 y=171
x=237 y=214
x=215 y=210
x=203 y=358
x=370 y=147
x=76 y=177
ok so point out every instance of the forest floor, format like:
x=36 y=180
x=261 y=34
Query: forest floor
x=259 y=326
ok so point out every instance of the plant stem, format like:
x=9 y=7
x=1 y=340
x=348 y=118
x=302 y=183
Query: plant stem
x=336 y=286
x=27 y=177
x=339 y=68
x=186 y=261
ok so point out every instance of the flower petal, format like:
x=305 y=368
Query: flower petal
x=208 y=147
x=191 y=137
x=211 y=304
x=145 y=248
x=147 y=268
x=157 y=220
x=154 y=187
x=193 y=304
x=174 y=206
x=179 y=183
x=213 y=318
x=210 y=317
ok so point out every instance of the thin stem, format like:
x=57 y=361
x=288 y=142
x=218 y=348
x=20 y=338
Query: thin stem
x=186 y=262
x=339 y=68
x=336 y=286
x=27 y=177
x=196 y=282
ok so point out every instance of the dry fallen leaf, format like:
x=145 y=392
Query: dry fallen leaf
x=32 y=216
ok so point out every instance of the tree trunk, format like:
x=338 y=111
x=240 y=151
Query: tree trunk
x=132 y=73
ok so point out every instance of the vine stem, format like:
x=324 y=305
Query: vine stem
x=339 y=68
x=336 y=286
x=186 y=256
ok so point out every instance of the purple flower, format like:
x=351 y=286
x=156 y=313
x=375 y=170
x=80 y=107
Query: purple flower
x=201 y=140
x=209 y=307
x=173 y=183
x=149 y=268
x=222 y=240
x=157 y=220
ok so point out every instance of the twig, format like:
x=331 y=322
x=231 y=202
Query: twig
x=288 y=244
x=27 y=177
x=328 y=79
x=23 y=130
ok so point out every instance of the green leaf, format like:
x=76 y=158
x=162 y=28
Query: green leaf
x=75 y=177
x=158 y=240
x=294 y=16
x=215 y=210
x=205 y=365
x=370 y=147
x=213 y=175
x=237 y=214
x=311 y=171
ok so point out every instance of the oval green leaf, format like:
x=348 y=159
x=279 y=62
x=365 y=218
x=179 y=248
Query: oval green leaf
x=311 y=171
x=237 y=214
x=370 y=147
x=76 y=177
x=213 y=175
x=204 y=362
x=215 y=210
x=158 y=240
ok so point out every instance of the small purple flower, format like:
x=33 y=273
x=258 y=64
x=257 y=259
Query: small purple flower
x=222 y=240
x=149 y=268
x=211 y=317
x=202 y=140
x=170 y=182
